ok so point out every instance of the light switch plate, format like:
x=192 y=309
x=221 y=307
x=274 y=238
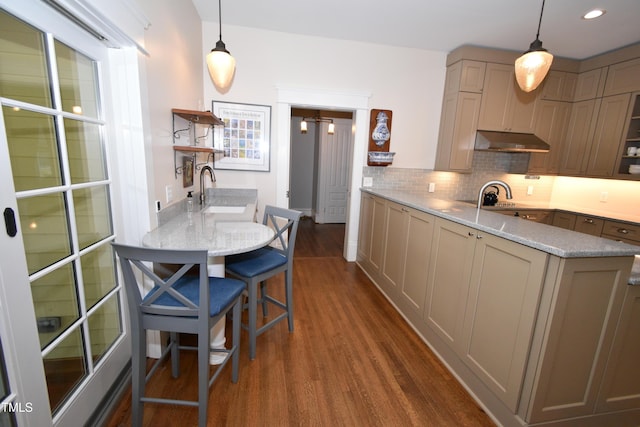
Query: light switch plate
x=367 y=181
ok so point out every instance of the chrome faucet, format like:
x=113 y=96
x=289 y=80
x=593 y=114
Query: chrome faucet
x=202 y=189
x=490 y=183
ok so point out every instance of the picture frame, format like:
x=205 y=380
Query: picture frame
x=246 y=137
x=187 y=171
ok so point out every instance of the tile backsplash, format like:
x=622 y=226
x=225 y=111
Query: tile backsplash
x=450 y=185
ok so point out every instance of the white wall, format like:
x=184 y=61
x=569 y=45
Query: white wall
x=407 y=81
x=171 y=77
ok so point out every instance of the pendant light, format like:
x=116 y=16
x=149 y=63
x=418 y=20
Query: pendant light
x=532 y=67
x=219 y=61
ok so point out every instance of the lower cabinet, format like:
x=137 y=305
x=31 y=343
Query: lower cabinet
x=621 y=383
x=537 y=339
x=579 y=332
x=408 y=236
x=482 y=297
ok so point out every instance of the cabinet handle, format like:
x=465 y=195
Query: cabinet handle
x=588 y=220
x=471 y=234
x=623 y=231
x=405 y=210
x=478 y=237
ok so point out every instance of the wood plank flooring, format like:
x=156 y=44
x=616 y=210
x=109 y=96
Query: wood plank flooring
x=351 y=361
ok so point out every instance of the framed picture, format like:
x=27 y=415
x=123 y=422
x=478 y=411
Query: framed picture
x=246 y=137
x=187 y=171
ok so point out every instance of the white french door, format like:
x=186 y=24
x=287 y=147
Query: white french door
x=61 y=306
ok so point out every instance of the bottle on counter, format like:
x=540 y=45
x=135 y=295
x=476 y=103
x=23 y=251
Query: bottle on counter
x=189 y=202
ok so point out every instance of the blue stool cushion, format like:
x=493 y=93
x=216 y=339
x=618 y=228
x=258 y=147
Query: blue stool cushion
x=256 y=262
x=222 y=292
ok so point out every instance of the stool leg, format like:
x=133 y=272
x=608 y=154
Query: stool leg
x=253 y=308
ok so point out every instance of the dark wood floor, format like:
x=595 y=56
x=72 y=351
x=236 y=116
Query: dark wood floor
x=351 y=361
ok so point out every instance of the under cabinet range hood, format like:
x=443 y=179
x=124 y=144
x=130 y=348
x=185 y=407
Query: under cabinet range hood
x=509 y=142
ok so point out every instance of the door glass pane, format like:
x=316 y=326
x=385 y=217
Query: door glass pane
x=98 y=274
x=104 y=327
x=56 y=303
x=86 y=154
x=44 y=224
x=65 y=367
x=23 y=66
x=35 y=160
x=92 y=215
x=78 y=86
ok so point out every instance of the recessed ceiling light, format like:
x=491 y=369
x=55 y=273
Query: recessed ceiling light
x=593 y=14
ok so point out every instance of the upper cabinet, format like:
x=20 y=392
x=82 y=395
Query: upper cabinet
x=589 y=85
x=558 y=86
x=623 y=77
x=459 y=120
x=504 y=106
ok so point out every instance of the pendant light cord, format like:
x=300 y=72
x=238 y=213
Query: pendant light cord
x=220 y=18
x=539 y=22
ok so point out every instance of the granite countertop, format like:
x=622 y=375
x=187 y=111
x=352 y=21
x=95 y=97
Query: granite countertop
x=553 y=240
x=201 y=230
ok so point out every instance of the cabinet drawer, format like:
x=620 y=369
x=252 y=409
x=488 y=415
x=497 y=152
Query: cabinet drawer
x=623 y=231
x=589 y=225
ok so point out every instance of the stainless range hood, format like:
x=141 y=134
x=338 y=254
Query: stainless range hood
x=509 y=142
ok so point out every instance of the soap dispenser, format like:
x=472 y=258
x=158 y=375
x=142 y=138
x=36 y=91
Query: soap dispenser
x=189 y=202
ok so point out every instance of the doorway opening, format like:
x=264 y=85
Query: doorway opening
x=320 y=164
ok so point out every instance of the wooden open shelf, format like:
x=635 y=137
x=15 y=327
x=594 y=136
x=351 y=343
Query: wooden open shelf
x=200 y=117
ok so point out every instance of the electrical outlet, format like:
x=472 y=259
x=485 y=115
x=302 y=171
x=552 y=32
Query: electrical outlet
x=367 y=181
x=604 y=196
x=432 y=187
x=529 y=190
x=168 y=191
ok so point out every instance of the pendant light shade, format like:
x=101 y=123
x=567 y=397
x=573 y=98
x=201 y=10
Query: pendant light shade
x=532 y=67
x=220 y=63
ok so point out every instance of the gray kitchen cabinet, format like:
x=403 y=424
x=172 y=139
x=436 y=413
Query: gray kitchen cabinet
x=575 y=339
x=589 y=225
x=465 y=76
x=575 y=150
x=623 y=78
x=408 y=238
x=607 y=138
x=590 y=85
x=459 y=120
x=621 y=383
x=500 y=313
x=486 y=316
x=564 y=220
x=457 y=134
x=558 y=86
x=371 y=233
x=551 y=126
x=504 y=106
x=448 y=281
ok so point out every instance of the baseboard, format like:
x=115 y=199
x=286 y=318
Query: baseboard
x=112 y=399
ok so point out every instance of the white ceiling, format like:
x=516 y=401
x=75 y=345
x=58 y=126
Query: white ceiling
x=442 y=25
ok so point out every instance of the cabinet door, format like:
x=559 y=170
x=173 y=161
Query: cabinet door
x=465 y=76
x=589 y=225
x=416 y=261
x=564 y=220
x=589 y=85
x=364 y=231
x=621 y=384
x=448 y=280
x=579 y=136
x=457 y=136
x=504 y=291
x=377 y=233
x=623 y=77
x=608 y=135
x=394 y=253
x=504 y=106
x=579 y=334
x=551 y=126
